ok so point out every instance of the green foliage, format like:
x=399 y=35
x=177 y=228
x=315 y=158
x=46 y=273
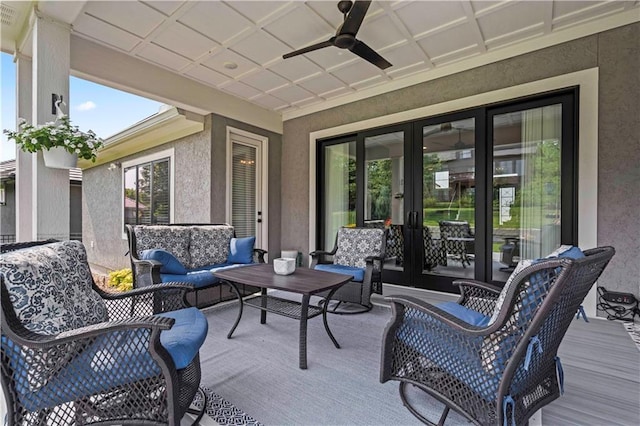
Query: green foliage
x=121 y=279
x=56 y=133
x=379 y=188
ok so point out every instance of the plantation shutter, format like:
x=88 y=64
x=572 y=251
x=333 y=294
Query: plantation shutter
x=160 y=192
x=243 y=208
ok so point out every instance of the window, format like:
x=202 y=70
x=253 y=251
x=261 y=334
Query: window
x=147 y=190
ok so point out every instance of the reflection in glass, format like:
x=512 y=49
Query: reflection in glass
x=526 y=186
x=339 y=189
x=448 y=198
x=384 y=195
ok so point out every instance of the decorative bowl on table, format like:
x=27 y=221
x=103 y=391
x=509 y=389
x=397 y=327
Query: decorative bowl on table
x=284 y=266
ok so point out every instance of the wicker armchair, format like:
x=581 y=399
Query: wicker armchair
x=458 y=240
x=73 y=354
x=359 y=252
x=492 y=356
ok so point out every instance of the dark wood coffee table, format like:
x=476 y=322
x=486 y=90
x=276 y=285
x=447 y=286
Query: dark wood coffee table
x=303 y=281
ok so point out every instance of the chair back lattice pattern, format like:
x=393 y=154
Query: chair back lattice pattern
x=52 y=375
x=513 y=369
x=354 y=245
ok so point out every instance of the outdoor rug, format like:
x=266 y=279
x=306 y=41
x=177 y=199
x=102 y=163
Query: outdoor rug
x=634 y=331
x=257 y=372
x=223 y=412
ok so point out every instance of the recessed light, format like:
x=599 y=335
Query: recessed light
x=230 y=65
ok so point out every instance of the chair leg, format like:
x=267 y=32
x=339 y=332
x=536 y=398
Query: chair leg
x=415 y=412
x=199 y=412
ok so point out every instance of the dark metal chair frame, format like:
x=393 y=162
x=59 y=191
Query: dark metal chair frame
x=357 y=293
x=410 y=355
x=160 y=398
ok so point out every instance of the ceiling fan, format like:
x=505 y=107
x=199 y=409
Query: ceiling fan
x=345 y=37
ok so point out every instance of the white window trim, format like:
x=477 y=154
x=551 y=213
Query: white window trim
x=168 y=153
x=586 y=80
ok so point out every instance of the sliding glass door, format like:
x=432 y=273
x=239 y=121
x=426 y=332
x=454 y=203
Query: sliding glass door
x=462 y=195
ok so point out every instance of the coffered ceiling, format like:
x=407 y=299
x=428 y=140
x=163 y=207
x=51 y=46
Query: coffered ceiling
x=237 y=46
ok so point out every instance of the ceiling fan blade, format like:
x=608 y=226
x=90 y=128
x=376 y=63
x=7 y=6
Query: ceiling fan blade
x=367 y=53
x=309 y=48
x=351 y=25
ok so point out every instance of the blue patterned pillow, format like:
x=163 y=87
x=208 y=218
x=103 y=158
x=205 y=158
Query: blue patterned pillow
x=241 y=250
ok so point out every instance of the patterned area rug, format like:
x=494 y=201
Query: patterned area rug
x=223 y=412
x=634 y=331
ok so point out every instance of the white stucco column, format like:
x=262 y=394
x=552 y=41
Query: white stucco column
x=24 y=160
x=46 y=188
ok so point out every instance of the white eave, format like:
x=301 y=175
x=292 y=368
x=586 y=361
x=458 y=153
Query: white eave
x=158 y=129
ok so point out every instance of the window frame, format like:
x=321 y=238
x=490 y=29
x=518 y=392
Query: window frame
x=156 y=156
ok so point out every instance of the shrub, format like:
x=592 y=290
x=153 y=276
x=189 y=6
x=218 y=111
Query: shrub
x=121 y=279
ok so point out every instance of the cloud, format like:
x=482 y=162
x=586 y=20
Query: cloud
x=86 y=106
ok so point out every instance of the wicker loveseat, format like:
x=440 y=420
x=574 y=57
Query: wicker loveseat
x=189 y=253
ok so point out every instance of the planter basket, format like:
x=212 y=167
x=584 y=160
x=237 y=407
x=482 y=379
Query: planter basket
x=59 y=158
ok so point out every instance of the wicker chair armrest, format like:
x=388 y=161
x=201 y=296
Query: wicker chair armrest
x=146 y=272
x=30 y=339
x=182 y=288
x=407 y=302
x=145 y=301
x=259 y=254
x=318 y=256
x=478 y=295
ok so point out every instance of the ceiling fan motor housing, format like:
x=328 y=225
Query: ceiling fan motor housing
x=344 y=41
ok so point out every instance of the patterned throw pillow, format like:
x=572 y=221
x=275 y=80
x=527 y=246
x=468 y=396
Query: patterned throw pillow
x=209 y=245
x=354 y=245
x=51 y=287
x=174 y=239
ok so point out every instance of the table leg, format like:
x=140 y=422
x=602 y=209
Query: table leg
x=324 y=318
x=304 y=311
x=234 y=288
x=263 y=301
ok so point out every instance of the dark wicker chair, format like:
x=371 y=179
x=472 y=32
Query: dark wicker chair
x=434 y=252
x=73 y=354
x=359 y=252
x=458 y=240
x=493 y=370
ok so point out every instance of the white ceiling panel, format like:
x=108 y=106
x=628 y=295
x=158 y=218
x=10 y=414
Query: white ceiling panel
x=292 y=94
x=240 y=89
x=513 y=18
x=207 y=75
x=217 y=62
x=300 y=27
x=322 y=84
x=261 y=47
x=93 y=28
x=167 y=7
x=185 y=41
x=265 y=80
x=196 y=39
x=295 y=68
x=358 y=71
x=134 y=17
x=258 y=11
x=162 y=56
x=216 y=20
x=423 y=17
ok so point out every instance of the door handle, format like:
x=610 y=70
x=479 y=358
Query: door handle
x=414 y=216
x=409 y=225
x=259 y=220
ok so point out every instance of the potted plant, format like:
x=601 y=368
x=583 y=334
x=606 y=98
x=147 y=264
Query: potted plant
x=60 y=142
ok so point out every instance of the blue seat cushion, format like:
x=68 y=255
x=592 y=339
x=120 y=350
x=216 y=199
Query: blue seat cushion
x=357 y=273
x=465 y=314
x=170 y=264
x=199 y=279
x=184 y=339
x=241 y=250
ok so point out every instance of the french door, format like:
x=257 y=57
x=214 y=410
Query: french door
x=462 y=195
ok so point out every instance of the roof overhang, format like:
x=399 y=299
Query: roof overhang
x=165 y=126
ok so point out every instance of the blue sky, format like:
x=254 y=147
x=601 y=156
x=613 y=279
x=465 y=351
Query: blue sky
x=102 y=109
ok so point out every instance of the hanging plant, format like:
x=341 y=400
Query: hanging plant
x=59 y=133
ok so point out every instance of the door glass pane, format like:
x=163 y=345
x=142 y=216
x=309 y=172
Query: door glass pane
x=243 y=188
x=448 y=198
x=526 y=186
x=384 y=195
x=339 y=192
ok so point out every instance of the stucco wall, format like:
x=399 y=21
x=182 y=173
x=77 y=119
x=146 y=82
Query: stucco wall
x=102 y=191
x=8 y=211
x=615 y=52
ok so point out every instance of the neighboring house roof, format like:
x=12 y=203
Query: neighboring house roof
x=8 y=171
x=130 y=203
